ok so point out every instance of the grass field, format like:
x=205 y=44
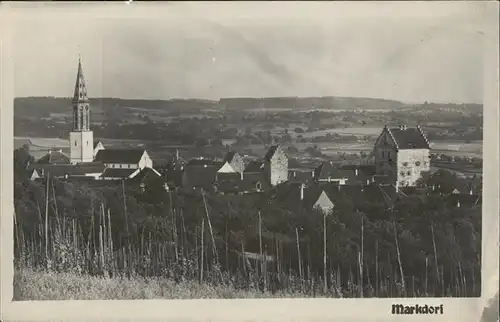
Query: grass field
x=31 y=285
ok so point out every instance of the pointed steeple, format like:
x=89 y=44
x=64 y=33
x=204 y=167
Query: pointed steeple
x=80 y=93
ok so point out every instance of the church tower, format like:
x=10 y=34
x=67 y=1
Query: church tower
x=81 y=138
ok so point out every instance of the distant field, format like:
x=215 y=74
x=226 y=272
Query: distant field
x=370 y=131
x=452 y=148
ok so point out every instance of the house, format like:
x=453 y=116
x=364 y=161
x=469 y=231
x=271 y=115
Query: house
x=403 y=154
x=66 y=171
x=328 y=172
x=358 y=174
x=118 y=174
x=200 y=173
x=147 y=178
x=301 y=196
x=124 y=158
x=98 y=146
x=235 y=160
x=34 y=175
x=276 y=165
x=298 y=172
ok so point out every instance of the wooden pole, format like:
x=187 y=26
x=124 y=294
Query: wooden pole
x=47 y=221
x=325 y=284
x=298 y=253
x=202 y=249
x=399 y=258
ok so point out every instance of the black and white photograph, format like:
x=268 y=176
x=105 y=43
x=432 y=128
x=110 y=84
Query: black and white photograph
x=248 y=153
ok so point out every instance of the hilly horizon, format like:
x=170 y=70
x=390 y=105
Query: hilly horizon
x=45 y=105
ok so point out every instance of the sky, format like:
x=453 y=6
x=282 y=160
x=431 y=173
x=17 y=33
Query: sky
x=412 y=52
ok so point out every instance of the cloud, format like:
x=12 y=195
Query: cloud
x=245 y=49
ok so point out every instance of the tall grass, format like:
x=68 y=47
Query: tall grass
x=94 y=263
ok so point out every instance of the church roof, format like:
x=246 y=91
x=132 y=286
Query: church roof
x=80 y=93
x=131 y=156
x=54 y=157
x=409 y=138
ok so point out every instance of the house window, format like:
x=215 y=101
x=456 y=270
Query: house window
x=417 y=163
x=401 y=183
x=402 y=173
x=409 y=173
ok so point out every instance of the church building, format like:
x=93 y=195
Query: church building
x=81 y=138
x=89 y=158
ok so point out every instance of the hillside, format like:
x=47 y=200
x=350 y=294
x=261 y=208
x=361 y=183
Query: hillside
x=44 y=106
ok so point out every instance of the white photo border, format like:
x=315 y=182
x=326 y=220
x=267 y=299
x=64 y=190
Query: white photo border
x=246 y=309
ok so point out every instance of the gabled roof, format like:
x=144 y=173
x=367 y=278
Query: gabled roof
x=204 y=162
x=327 y=169
x=272 y=150
x=54 y=157
x=61 y=170
x=148 y=175
x=131 y=156
x=97 y=142
x=409 y=138
x=229 y=156
x=254 y=167
x=117 y=173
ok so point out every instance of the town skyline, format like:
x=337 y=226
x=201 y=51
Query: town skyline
x=430 y=58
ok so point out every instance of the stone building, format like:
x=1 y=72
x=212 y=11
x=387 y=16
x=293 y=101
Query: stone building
x=402 y=154
x=276 y=165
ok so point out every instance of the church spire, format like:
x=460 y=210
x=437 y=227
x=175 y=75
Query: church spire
x=81 y=112
x=80 y=93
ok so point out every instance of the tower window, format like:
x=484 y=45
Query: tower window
x=87 y=143
x=75 y=143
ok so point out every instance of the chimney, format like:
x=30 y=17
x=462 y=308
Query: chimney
x=302 y=191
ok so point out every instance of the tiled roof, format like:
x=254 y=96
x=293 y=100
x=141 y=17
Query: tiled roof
x=61 y=170
x=254 y=167
x=229 y=156
x=409 y=138
x=131 y=156
x=327 y=169
x=54 y=157
x=271 y=152
x=117 y=173
x=198 y=176
x=204 y=162
x=148 y=175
